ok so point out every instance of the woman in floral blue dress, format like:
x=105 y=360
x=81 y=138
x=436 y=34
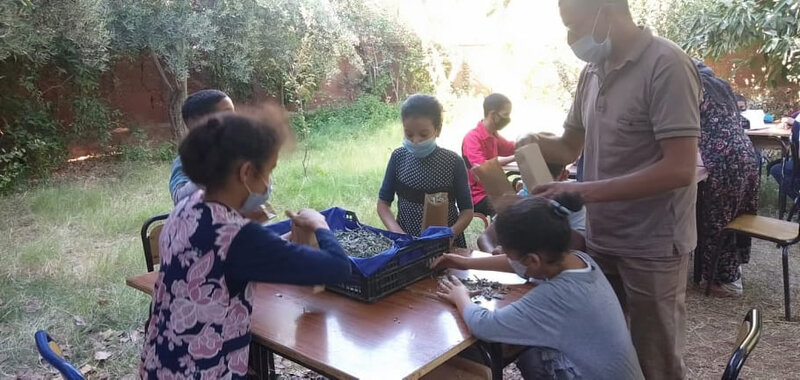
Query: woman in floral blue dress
x=199 y=326
x=732 y=185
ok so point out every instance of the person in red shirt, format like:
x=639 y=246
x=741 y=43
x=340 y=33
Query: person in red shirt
x=484 y=143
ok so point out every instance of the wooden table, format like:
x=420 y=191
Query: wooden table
x=402 y=336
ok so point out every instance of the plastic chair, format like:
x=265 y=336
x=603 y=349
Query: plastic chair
x=749 y=334
x=52 y=354
x=483 y=218
x=151 y=231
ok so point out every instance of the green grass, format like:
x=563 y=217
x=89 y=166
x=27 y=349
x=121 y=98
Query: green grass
x=68 y=245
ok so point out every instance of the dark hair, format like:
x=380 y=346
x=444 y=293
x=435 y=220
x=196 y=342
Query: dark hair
x=535 y=225
x=740 y=98
x=211 y=149
x=421 y=105
x=494 y=102
x=201 y=103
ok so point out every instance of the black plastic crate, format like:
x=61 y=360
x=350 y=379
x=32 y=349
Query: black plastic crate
x=406 y=267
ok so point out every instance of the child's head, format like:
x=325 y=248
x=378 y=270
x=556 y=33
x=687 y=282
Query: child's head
x=232 y=154
x=741 y=102
x=422 y=118
x=535 y=231
x=497 y=111
x=204 y=103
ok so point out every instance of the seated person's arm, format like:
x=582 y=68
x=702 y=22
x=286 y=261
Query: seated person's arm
x=497 y=263
x=387 y=217
x=505 y=160
x=463 y=199
x=505 y=150
x=522 y=322
x=386 y=197
x=180 y=186
x=257 y=254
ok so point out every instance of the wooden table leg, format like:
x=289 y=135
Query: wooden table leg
x=262 y=363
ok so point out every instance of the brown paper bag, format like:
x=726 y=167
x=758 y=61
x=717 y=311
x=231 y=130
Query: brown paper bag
x=493 y=179
x=304 y=236
x=532 y=166
x=434 y=210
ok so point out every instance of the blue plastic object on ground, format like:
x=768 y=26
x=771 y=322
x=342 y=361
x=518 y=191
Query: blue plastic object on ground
x=47 y=348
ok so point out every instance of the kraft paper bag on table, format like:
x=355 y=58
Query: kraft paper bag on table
x=494 y=180
x=304 y=236
x=434 y=210
x=532 y=166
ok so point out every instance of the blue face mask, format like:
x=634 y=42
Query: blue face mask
x=255 y=200
x=420 y=150
x=588 y=50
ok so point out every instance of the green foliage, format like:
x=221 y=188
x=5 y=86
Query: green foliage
x=364 y=115
x=69 y=41
x=32 y=143
x=393 y=58
x=141 y=150
x=286 y=47
x=36 y=31
x=720 y=27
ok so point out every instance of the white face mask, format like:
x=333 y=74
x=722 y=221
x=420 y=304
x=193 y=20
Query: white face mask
x=589 y=50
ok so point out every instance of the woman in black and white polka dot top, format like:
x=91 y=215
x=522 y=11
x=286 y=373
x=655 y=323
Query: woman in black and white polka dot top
x=421 y=167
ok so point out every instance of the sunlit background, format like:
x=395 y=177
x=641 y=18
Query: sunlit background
x=518 y=49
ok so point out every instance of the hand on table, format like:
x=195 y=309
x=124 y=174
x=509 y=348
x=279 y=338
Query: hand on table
x=309 y=219
x=453 y=291
x=787 y=122
x=449 y=260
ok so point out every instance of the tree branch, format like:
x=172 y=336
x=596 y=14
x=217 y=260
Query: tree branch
x=161 y=70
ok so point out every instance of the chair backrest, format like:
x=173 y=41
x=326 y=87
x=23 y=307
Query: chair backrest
x=749 y=334
x=52 y=354
x=151 y=231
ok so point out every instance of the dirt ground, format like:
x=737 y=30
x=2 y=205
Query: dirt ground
x=713 y=324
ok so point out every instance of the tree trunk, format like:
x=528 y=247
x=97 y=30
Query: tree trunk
x=177 y=96
x=176 y=93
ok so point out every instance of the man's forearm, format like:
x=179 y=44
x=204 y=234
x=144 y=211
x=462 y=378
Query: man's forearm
x=653 y=180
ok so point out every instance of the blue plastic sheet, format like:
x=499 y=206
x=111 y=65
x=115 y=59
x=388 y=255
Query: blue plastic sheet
x=341 y=219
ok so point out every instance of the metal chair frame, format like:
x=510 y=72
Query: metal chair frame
x=751 y=327
x=146 y=231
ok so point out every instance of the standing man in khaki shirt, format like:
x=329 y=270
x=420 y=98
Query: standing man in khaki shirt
x=636 y=118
